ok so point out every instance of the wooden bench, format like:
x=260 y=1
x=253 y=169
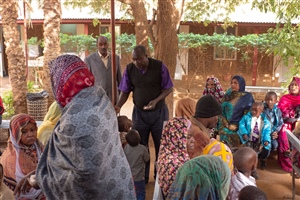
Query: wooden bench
x=296 y=143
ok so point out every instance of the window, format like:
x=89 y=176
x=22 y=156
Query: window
x=223 y=53
x=104 y=29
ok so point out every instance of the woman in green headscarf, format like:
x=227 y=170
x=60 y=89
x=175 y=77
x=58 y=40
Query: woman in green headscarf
x=205 y=178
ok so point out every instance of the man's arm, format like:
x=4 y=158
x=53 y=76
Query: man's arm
x=87 y=62
x=119 y=71
x=122 y=99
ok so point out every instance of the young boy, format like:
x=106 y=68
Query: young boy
x=124 y=126
x=245 y=161
x=255 y=132
x=252 y=193
x=137 y=156
x=5 y=192
x=274 y=115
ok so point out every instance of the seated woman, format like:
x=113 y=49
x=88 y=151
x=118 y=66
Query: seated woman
x=205 y=177
x=22 y=155
x=46 y=128
x=84 y=158
x=176 y=141
x=214 y=88
x=235 y=104
x=288 y=104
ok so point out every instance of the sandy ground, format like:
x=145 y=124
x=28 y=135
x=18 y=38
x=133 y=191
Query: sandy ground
x=275 y=182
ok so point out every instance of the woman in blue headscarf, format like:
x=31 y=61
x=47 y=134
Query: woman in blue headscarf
x=235 y=103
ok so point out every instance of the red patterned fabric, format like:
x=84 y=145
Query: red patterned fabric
x=216 y=92
x=65 y=71
x=82 y=79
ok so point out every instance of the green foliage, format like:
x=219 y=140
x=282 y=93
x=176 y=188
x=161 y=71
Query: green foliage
x=7 y=99
x=32 y=87
x=33 y=41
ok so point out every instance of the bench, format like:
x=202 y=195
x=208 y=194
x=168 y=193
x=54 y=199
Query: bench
x=296 y=143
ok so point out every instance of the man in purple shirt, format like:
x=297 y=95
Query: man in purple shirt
x=150 y=82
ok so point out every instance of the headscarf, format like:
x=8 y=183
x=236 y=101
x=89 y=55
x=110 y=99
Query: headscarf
x=203 y=177
x=18 y=159
x=65 y=82
x=83 y=158
x=243 y=102
x=288 y=103
x=185 y=107
x=221 y=150
x=46 y=128
x=173 y=151
x=216 y=92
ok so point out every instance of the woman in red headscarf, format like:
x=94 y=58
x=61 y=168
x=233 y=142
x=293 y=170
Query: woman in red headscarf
x=22 y=154
x=288 y=104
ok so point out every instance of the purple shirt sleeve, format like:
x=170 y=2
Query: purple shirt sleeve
x=166 y=81
x=125 y=85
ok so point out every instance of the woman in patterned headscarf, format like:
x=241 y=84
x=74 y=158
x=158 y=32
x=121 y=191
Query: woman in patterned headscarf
x=83 y=158
x=204 y=177
x=214 y=88
x=288 y=105
x=22 y=155
x=235 y=103
x=173 y=151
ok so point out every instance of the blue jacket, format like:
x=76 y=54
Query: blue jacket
x=278 y=121
x=245 y=128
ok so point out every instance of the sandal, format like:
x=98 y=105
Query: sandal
x=287 y=154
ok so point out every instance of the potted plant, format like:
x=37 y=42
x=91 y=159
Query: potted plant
x=33 y=47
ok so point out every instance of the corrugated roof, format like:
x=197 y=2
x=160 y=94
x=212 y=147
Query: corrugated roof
x=243 y=14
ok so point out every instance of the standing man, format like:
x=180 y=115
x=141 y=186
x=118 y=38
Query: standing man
x=99 y=63
x=150 y=81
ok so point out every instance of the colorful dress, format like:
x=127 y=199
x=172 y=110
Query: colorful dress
x=216 y=92
x=234 y=106
x=203 y=177
x=173 y=151
x=287 y=104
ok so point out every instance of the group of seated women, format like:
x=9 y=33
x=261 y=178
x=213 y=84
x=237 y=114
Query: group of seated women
x=82 y=143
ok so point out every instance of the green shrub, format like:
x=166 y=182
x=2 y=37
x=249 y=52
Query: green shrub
x=7 y=99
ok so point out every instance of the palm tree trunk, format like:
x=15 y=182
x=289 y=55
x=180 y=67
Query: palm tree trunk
x=15 y=54
x=52 y=18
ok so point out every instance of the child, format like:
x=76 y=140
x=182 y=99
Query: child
x=5 y=192
x=124 y=126
x=137 y=156
x=274 y=115
x=245 y=161
x=252 y=193
x=255 y=132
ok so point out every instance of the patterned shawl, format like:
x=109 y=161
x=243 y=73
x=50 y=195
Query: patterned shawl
x=203 y=177
x=46 y=128
x=185 y=107
x=69 y=75
x=18 y=160
x=173 y=151
x=216 y=92
x=84 y=158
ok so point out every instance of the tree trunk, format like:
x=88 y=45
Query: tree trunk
x=141 y=22
x=169 y=13
x=15 y=54
x=52 y=18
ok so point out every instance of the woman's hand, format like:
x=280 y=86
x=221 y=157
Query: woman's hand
x=266 y=143
x=22 y=187
x=274 y=135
